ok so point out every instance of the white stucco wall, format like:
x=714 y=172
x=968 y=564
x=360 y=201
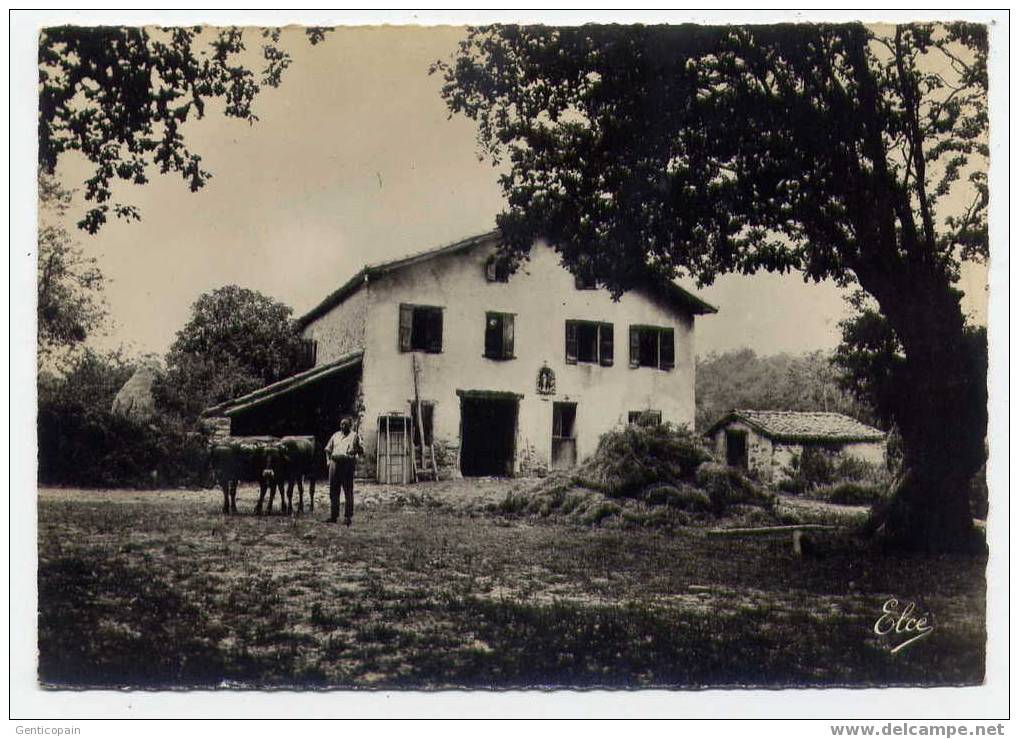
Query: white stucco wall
x=542 y=295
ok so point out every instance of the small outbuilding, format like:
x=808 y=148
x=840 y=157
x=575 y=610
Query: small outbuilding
x=771 y=443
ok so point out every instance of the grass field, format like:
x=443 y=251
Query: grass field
x=432 y=588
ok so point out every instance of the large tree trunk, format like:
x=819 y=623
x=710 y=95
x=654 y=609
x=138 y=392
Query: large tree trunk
x=941 y=412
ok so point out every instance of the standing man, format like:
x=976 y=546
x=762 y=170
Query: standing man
x=341 y=453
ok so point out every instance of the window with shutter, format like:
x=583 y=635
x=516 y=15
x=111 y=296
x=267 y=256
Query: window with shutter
x=652 y=346
x=406 y=327
x=420 y=328
x=496 y=269
x=434 y=341
x=507 y=336
x=571 y=342
x=589 y=342
x=667 y=349
x=499 y=335
x=605 y=348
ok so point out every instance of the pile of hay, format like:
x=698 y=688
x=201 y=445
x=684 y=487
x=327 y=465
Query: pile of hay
x=658 y=476
x=135 y=399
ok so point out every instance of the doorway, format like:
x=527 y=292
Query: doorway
x=736 y=448
x=488 y=431
x=564 y=435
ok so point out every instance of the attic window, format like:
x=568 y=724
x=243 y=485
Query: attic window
x=584 y=280
x=496 y=270
x=420 y=328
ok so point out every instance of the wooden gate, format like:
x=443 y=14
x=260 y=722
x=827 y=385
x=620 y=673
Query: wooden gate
x=393 y=461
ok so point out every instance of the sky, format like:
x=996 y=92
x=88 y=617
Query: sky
x=355 y=160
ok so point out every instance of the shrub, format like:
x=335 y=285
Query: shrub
x=792 y=485
x=727 y=486
x=630 y=459
x=852 y=493
x=93 y=447
x=684 y=497
x=817 y=467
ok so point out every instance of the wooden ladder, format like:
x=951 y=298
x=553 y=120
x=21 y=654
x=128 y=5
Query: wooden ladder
x=421 y=472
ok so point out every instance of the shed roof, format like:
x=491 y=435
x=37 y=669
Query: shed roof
x=284 y=386
x=802 y=426
x=672 y=292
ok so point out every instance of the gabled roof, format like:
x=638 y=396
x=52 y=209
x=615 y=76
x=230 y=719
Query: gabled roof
x=284 y=386
x=670 y=291
x=802 y=426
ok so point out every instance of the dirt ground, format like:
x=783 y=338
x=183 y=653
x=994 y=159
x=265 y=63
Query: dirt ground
x=433 y=588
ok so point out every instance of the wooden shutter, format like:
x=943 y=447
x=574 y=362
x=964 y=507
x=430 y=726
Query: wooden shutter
x=666 y=348
x=406 y=325
x=634 y=346
x=605 y=348
x=493 y=336
x=571 y=342
x=490 y=274
x=435 y=331
x=507 y=336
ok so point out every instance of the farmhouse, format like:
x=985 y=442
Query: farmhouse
x=506 y=374
x=772 y=442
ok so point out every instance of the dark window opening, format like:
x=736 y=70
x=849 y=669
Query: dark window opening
x=420 y=328
x=564 y=420
x=564 y=435
x=589 y=342
x=499 y=335
x=497 y=270
x=584 y=280
x=427 y=416
x=645 y=418
x=651 y=346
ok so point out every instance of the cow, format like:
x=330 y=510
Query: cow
x=249 y=458
x=297 y=458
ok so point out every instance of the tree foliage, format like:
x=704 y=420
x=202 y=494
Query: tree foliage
x=237 y=340
x=844 y=152
x=70 y=284
x=121 y=97
x=742 y=379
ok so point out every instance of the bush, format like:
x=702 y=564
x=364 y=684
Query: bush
x=727 y=486
x=630 y=459
x=92 y=447
x=792 y=485
x=851 y=493
x=817 y=467
x=684 y=497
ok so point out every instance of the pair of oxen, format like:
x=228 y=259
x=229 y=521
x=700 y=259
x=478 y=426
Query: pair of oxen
x=272 y=462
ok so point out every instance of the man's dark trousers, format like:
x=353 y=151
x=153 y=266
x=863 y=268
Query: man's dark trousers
x=341 y=475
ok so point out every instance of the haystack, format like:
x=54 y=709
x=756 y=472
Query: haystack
x=135 y=399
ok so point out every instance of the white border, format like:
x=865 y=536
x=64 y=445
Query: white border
x=28 y=702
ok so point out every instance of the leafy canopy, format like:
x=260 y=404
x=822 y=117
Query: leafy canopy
x=841 y=151
x=69 y=283
x=237 y=340
x=121 y=96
